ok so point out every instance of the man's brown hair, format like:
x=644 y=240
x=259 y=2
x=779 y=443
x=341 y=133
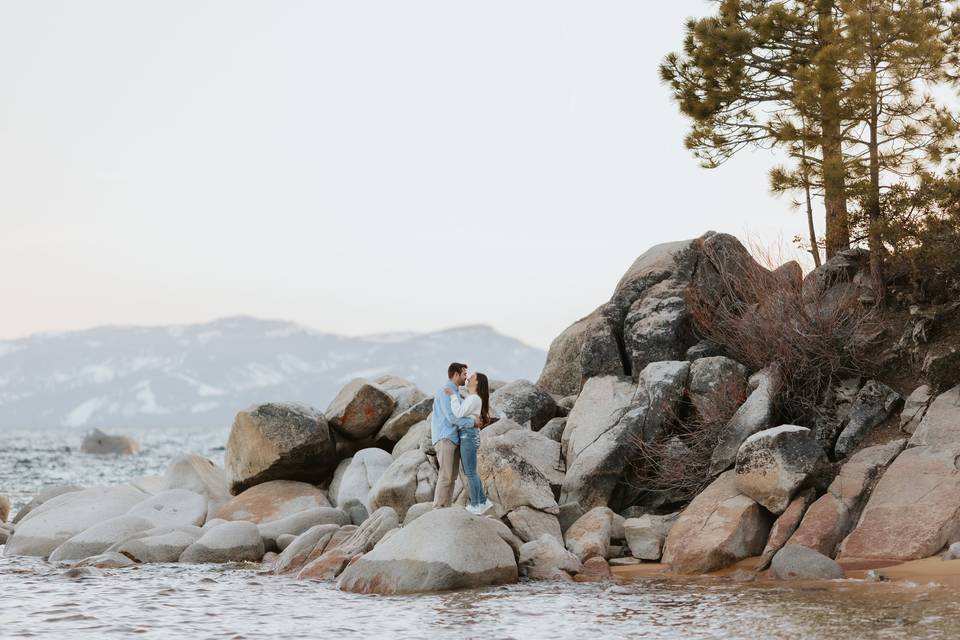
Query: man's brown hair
x=454 y=368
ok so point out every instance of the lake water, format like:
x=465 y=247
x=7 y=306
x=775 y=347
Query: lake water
x=162 y=601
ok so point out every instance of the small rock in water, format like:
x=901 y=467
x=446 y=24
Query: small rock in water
x=595 y=569
x=952 y=552
x=102 y=443
x=4 y=508
x=78 y=573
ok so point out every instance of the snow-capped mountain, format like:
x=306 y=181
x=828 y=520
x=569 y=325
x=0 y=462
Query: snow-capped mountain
x=202 y=374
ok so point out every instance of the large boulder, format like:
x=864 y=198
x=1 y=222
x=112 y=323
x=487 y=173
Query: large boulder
x=441 y=550
x=796 y=562
x=510 y=480
x=912 y=512
x=99 y=538
x=755 y=414
x=940 y=425
x=719 y=527
x=360 y=409
x=355 y=476
x=408 y=480
x=589 y=536
x=532 y=446
x=60 y=518
x=603 y=435
x=229 y=542
x=875 y=402
x=339 y=553
x=774 y=464
x=173 y=507
x=829 y=519
x=524 y=403
x=279 y=441
x=546 y=559
x=273 y=500
x=199 y=475
x=647 y=319
x=646 y=534
x=47 y=494
x=100 y=443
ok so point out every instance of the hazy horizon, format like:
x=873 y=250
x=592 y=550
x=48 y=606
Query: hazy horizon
x=357 y=168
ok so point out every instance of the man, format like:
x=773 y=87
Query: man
x=446 y=439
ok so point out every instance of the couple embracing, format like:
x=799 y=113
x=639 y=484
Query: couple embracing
x=455 y=430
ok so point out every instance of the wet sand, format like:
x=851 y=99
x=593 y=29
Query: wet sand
x=928 y=571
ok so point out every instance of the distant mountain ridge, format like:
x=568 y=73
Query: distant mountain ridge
x=201 y=374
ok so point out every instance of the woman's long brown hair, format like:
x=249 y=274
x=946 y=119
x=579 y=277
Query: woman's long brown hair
x=483 y=390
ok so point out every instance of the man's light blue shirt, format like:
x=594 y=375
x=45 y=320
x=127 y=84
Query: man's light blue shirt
x=444 y=424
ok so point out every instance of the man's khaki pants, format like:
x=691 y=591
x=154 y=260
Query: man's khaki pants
x=448 y=461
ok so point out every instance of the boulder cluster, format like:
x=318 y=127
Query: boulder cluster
x=346 y=494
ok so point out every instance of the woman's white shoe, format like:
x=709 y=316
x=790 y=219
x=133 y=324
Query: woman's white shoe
x=483 y=508
x=472 y=509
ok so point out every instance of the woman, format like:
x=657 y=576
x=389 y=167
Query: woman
x=477 y=405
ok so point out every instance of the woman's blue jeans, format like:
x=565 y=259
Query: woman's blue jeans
x=469 y=443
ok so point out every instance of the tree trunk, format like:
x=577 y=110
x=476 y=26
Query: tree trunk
x=875 y=241
x=837 y=236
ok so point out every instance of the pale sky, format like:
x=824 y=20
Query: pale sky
x=358 y=167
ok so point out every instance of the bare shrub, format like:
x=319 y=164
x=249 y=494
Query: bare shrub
x=816 y=334
x=676 y=467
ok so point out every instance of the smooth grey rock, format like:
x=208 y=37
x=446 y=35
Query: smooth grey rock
x=173 y=507
x=47 y=494
x=915 y=408
x=441 y=550
x=279 y=441
x=210 y=524
x=523 y=402
x=755 y=414
x=105 y=560
x=416 y=511
x=940 y=425
x=543 y=558
x=60 y=518
x=411 y=440
x=159 y=548
x=646 y=534
x=99 y=537
x=237 y=541
x=408 y=480
x=101 y=443
x=874 y=403
x=795 y=562
x=298 y=523
x=357 y=511
x=554 y=429
x=590 y=535
x=284 y=540
x=511 y=474
x=531 y=524
x=200 y=475
x=355 y=476
x=569 y=513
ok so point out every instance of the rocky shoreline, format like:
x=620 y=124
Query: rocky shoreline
x=344 y=495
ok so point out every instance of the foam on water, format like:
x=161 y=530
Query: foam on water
x=200 y=602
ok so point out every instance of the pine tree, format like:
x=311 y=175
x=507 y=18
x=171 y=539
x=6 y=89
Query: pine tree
x=764 y=73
